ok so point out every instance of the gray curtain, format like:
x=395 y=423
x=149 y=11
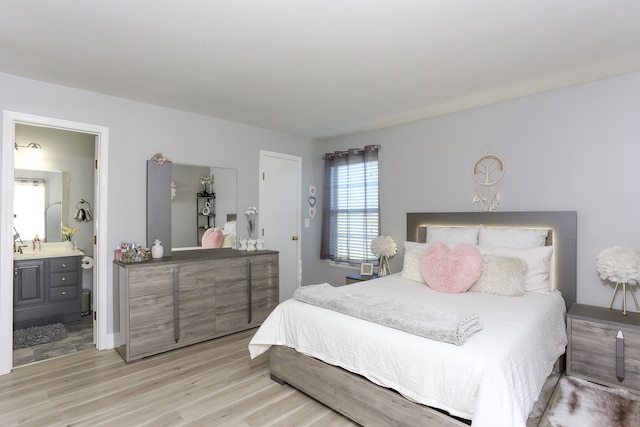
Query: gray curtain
x=350 y=180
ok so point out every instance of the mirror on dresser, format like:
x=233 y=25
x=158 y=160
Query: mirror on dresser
x=175 y=209
x=41 y=204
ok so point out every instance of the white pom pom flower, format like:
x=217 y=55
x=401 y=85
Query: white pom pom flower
x=619 y=265
x=384 y=246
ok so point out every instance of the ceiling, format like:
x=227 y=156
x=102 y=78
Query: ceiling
x=319 y=68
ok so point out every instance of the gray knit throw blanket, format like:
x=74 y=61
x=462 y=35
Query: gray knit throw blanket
x=436 y=325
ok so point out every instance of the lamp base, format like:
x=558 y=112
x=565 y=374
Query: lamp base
x=624 y=297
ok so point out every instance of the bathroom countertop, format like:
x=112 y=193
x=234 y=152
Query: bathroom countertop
x=49 y=250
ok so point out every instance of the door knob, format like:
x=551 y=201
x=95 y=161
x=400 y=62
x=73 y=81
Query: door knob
x=294 y=237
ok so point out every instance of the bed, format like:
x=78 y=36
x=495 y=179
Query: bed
x=377 y=375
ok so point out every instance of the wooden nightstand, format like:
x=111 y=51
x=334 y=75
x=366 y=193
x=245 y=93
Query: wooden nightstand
x=591 y=351
x=355 y=278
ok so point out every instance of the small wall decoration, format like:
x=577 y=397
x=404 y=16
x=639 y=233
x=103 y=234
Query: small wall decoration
x=487 y=172
x=312 y=201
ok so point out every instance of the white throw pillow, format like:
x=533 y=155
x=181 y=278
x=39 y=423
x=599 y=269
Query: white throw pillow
x=512 y=237
x=538 y=262
x=453 y=235
x=501 y=276
x=411 y=266
x=412 y=258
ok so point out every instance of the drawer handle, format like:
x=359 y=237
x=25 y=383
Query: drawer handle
x=64 y=293
x=64 y=279
x=64 y=265
x=620 y=356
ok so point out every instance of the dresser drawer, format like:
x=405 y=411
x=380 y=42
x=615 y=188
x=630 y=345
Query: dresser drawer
x=592 y=352
x=62 y=293
x=63 y=279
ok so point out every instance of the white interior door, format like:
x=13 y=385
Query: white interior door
x=279 y=214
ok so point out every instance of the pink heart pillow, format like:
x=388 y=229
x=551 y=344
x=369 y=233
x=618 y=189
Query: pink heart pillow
x=212 y=238
x=451 y=270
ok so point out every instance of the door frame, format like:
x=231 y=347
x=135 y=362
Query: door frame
x=262 y=202
x=9 y=121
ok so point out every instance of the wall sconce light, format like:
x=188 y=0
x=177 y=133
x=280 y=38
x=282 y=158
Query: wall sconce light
x=31 y=145
x=34 y=151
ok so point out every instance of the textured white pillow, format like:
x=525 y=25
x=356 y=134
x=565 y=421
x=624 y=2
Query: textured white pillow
x=415 y=245
x=411 y=266
x=412 y=260
x=538 y=262
x=512 y=237
x=453 y=235
x=501 y=276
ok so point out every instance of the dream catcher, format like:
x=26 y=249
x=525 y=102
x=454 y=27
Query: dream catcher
x=487 y=172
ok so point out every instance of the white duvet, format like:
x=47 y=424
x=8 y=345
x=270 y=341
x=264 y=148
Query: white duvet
x=493 y=379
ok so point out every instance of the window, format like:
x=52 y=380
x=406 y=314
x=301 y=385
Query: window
x=351 y=213
x=28 y=207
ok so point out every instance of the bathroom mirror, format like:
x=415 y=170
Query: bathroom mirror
x=40 y=204
x=188 y=223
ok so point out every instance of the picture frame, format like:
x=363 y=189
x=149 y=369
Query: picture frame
x=366 y=269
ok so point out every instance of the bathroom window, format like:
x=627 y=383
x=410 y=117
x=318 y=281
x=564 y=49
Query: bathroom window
x=28 y=208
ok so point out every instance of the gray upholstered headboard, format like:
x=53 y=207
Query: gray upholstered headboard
x=563 y=224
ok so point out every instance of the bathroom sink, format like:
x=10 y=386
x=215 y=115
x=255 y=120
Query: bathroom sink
x=49 y=253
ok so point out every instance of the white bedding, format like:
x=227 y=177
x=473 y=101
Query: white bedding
x=493 y=379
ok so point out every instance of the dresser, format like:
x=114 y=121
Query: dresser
x=46 y=290
x=190 y=297
x=604 y=346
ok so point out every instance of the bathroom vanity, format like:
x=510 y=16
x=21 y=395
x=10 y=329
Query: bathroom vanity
x=190 y=297
x=47 y=288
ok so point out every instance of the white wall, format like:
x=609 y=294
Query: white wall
x=136 y=132
x=576 y=148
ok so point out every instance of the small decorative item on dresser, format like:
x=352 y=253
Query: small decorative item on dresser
x=620 y=265
x=384 y=247
x=243 y=244
x=251 y=213
x=157 y=251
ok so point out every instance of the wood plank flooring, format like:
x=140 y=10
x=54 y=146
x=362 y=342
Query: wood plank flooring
x=208 y=384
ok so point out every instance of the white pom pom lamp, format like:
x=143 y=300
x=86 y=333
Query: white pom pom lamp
x=620 y=265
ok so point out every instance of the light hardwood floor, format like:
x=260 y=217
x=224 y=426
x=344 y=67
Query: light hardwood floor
x=208 y=384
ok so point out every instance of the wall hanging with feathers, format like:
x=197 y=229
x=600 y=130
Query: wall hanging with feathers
x=487 y=172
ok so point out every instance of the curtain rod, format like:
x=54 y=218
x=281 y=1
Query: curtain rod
x=376 y=147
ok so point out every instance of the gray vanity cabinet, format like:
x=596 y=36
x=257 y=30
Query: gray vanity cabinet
x=46 y=291
x=28 y=283
x=190 y=297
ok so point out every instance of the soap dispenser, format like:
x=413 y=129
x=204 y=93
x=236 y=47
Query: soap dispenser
x=36 y=244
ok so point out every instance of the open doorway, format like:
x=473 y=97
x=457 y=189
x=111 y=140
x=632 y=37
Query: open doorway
x=101 y=338
x=54 y=196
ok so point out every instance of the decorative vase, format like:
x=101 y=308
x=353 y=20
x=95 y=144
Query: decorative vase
x=69 y=245
x=157 y=251
x=251 y=245
x=260 y=244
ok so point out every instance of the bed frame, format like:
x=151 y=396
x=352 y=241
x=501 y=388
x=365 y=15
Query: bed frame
x=369 y=404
